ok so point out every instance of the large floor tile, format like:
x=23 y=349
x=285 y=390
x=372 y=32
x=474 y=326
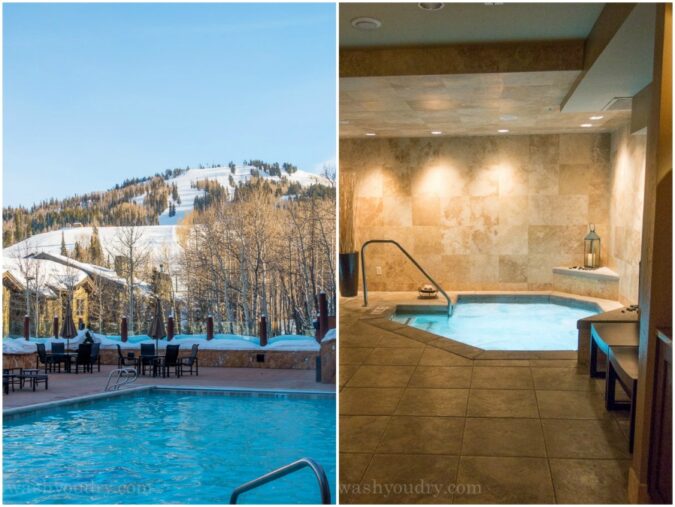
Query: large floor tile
x=571 y=405
x=393 y=340
x=345 y=372
x=409 y=478
x=394 y=356
x=381 y=376
x=505 y=480
x=433 y=356
x=503 y=437
x=502 y=403
x=369 y=401
x=501 y=377
x=590 y=481
x=501 y=362
x=448 y=377
x=566 y=379
x=589 y=439
x=352 y=467
x=360 y=338
x=353 y=355
x=436 y=402
x=361 y=433
x=423 y=435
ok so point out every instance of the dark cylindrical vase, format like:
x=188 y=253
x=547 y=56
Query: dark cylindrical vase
x=349 y=274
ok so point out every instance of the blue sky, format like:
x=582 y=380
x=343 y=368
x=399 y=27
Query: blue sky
x=96 y=93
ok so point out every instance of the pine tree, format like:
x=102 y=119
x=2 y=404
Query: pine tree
x=77 y=252
x=95 y=249
x=64 y=250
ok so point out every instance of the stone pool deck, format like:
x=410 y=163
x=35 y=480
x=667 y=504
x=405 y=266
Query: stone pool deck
x=525 y=429
x=68 y=385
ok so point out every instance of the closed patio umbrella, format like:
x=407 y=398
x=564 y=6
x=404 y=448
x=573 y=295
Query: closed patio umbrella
x=68 y=330
x=157 y=328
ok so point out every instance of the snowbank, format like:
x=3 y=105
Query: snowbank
x=219 y=342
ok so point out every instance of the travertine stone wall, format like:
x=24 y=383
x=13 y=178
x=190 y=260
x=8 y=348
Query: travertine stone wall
x=627 y=183
x=479 y=213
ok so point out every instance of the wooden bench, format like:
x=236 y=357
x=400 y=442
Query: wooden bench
x=623 y=365
x=606 y=335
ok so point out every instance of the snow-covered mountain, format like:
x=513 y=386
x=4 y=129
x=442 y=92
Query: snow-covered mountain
x=160 y=240
x=241 y=174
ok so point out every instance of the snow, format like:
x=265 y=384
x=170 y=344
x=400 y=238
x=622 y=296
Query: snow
x=157 y=239
x=52 y=274
x=219 y=342
x=222 y=175
x=330 y=336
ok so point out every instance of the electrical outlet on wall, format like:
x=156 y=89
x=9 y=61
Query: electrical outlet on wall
x=378 y=270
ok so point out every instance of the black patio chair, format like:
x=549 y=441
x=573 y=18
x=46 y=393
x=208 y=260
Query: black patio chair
x=59 y=355
x=11 y=377
x=170 y=360
x=84 y=358
x=190 y=361
x=96 y=355
x=147 y=356
x=123 y=360
x=44 y=358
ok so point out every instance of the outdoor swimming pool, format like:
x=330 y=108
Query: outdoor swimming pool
x=529 y=324
x=163 y=446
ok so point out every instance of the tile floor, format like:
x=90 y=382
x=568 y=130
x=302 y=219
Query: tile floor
x=415 y=419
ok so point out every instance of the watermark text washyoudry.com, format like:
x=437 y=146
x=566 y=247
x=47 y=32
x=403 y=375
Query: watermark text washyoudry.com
x=417 y=488
x=90 y=489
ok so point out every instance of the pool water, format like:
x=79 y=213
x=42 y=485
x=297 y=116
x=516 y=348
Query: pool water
x=505 y=326
x=168 y=447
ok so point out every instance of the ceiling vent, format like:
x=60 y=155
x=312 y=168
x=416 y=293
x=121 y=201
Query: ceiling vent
x=619 y=104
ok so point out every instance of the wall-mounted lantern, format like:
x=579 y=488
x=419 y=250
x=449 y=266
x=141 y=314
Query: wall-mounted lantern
x=592 y=249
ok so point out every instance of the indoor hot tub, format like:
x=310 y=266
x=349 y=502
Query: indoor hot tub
x=504 y=322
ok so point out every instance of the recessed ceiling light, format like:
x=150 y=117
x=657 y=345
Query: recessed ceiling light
x=586 y=125
x=371 y=134
x=436 y=132
x=598 y=117
x=503 y=131
x=365 y=23
x=508 y=117
x=430 y=6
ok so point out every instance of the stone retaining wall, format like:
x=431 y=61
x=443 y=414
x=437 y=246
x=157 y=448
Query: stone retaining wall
x=275 y=359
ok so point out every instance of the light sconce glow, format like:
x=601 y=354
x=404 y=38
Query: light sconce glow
x=599 y=117
x=503 y=131
x=586 y=125
x=436 y=132
x=371 y=134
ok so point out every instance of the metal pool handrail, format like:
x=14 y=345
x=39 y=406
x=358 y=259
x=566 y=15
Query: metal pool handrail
x=410 y=257
x=285 y=470
x=122 y=376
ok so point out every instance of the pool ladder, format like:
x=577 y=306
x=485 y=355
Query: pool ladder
x=285 y=470
x=410 y=258
x=122 y=377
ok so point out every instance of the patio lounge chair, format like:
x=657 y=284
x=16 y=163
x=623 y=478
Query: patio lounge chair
x=44 y=358
x=84 y=358
x=95 y=355
x=170 y=360
x=11 y=377
x=34 y=376
x=147 y=356
x=190 y=361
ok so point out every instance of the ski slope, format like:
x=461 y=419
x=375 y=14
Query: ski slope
x=222 y=175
